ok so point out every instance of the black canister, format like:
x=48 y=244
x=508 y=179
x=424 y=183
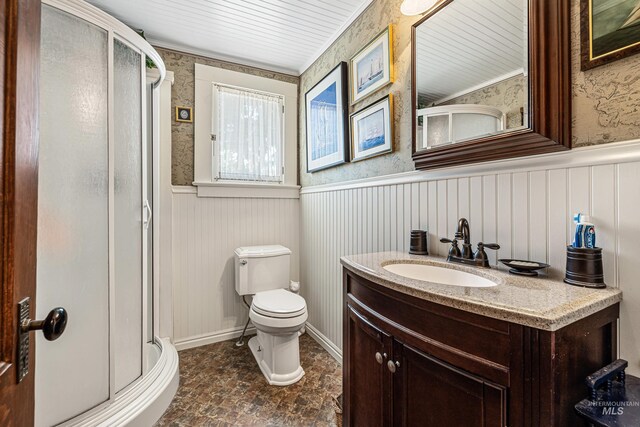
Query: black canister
x=584 y=267
x=418 y=244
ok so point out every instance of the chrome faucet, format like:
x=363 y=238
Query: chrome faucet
x=467 y=256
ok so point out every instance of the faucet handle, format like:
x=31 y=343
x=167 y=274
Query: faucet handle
x=454 y=251
x=493 y=246
x=481 y=256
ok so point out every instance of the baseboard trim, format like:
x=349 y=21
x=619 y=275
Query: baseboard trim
x=205 y=339
x=331 y=348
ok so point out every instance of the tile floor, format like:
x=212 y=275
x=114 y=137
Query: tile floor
x=221 y=385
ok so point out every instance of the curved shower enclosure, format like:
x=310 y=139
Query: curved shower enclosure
x=448 y=124
x=95 y=223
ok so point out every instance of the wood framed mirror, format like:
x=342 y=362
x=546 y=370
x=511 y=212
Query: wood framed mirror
x=490 y=80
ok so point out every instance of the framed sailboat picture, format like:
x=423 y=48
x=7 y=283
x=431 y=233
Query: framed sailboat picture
x=372 y=67
x=609 y=30
x=326 y=114
x=372 y=130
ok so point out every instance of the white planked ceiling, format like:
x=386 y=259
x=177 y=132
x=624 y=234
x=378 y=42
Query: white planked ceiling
x=469 y=43
x=280 y=35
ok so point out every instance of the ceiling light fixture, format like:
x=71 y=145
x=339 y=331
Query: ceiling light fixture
x=416 y=7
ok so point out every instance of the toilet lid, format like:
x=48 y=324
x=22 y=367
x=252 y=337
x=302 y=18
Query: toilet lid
x=278 y=303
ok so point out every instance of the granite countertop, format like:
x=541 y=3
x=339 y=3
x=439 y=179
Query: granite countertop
x=538 y=302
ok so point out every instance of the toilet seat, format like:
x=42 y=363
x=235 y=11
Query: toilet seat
x=279 y=303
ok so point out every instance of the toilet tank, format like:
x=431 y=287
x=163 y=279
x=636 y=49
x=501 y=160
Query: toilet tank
x=261 y=268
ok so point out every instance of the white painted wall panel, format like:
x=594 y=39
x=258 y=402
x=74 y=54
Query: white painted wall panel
x=520 y=215
x=488 y=233
x=603 y=212
x=538 y=215
x=205 y=233
x=557 y=217
x=628 y=197
x=529 y=213
x=504 y=215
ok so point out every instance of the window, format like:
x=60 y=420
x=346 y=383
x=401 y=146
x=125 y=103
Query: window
x=248 y=134
x=255 y=151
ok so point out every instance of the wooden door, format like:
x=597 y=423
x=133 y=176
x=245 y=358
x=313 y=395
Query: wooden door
x=430 y=392
x=366 y=377
x=19 y=74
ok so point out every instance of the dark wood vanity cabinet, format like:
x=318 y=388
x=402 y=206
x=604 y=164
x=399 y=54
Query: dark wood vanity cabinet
x=410 y=362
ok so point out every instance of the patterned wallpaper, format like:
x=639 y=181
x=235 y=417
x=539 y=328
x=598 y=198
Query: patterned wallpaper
x=605 y=99
x=372 y=21
x=183 y=94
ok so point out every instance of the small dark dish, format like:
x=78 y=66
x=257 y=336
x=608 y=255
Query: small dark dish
x=523 y=267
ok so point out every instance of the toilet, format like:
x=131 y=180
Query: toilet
x=277 y=313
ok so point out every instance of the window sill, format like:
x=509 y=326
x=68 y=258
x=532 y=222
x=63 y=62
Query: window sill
x=247 y=190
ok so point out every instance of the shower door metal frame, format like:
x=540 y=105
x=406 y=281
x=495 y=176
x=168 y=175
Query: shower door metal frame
x=116 y=30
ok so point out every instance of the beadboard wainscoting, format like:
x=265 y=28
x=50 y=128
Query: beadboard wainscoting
x=206 y=230
x=525 y=205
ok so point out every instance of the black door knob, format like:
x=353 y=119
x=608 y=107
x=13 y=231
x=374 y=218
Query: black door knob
x=52 y=326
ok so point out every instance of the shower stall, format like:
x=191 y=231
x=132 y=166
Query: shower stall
x=96 y=248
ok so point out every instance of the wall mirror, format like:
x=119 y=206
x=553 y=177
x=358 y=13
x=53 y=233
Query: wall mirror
x=490 y=80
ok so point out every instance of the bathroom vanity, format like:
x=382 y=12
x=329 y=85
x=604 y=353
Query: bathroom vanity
x=514 y=353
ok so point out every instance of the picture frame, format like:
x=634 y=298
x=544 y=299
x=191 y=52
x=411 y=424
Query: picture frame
x=372 y=67
x=184 y=114
x=372 y=130
x=326 y=120
x=609 y=35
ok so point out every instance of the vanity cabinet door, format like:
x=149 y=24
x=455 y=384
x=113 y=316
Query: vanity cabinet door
x=368 y=391
x=430 y=392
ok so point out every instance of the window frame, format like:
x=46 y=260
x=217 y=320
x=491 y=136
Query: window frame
x=204 y=160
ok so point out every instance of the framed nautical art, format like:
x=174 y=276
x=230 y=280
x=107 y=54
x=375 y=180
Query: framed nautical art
x=372 y=67
x=372 y=130
x=326 y=112
x=609 y=30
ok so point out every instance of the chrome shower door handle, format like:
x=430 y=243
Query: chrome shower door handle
x=148 y=214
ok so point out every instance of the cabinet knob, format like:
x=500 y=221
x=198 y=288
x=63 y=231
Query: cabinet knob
x=393 y=366
x=380 y=357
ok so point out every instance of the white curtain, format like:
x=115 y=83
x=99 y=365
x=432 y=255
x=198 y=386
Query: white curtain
x=249 y=133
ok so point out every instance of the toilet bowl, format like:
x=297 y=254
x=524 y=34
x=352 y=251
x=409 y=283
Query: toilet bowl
x=277 y=314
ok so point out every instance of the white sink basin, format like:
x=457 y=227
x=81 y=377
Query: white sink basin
x=435 y=274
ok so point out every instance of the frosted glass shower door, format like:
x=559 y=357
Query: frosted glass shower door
x=94 y=218
x=72 y=374
x=127 y=100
